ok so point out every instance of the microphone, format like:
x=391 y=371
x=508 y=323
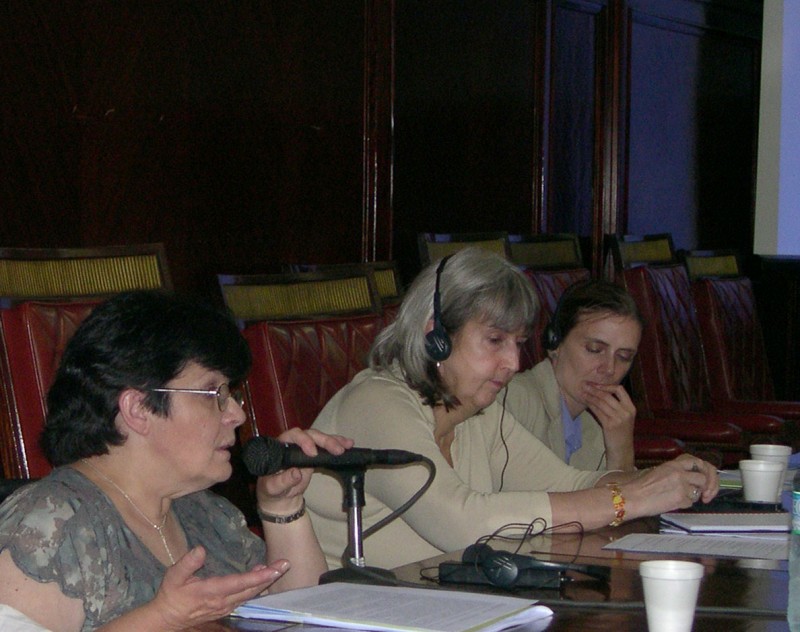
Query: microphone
x=265 y=455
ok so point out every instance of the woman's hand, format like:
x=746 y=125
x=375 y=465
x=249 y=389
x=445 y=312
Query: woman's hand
x=615 y=412
x=184 y=600
x=676 y=484
x=282 y=493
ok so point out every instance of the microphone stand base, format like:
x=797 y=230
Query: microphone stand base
x=360 y=575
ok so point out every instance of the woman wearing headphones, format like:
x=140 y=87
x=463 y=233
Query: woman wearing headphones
x=573 y=400
x=434 y=387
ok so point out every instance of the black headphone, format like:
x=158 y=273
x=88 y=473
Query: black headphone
x=551 y=336
x=437 y=341
x=506 y=570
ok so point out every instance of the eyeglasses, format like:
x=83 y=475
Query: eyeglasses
x=223 y=394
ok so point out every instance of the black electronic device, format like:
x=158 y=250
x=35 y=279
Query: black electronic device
x=465 y=573
x=732 y=501
x=480 y=564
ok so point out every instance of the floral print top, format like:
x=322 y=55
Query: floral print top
x=64 y=529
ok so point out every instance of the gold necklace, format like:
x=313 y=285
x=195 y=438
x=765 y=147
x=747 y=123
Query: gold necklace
x=158 y=527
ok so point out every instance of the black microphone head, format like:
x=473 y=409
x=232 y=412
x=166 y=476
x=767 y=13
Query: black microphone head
x=263 y=456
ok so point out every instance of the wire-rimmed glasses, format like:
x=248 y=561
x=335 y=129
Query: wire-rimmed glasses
x=223 y=393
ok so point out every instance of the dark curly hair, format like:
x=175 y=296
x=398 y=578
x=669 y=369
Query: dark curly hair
x=139 y=340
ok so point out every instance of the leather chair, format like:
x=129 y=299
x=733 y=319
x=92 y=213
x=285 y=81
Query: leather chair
x=61 y=273
x=649 y=447
x=738 y=369
x=298 y=365
x=434 y=246
x=546 y=252
x=298 y=295
x=549 y=286
x=630 y=250
x=710 y=263
x=33 y=335
x=44 y=294
x=386 y=275
x=309 y=333
x=9 y=486
x=670 y=380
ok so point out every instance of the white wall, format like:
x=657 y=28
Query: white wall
x=777 y=217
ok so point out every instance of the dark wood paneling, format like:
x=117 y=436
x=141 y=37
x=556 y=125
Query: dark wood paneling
x=777 y=287
x=233 y=132
x=573 y=129
x=463 y=119
x=576 y=103
x=693 y=115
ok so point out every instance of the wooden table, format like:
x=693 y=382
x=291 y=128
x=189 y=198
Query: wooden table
x=735 y=595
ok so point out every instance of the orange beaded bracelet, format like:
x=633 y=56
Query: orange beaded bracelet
x=618 y=500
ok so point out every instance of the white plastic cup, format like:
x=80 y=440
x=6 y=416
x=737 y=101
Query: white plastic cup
x=761 y=480
x=771 y=452
x=670 y=593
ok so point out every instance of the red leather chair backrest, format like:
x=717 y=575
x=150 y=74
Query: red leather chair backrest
x=549 y=286
x=733 y=339
x=670 y=371
x=299 y=365
x=34 y=335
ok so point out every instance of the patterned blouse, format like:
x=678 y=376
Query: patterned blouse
x=64 y=529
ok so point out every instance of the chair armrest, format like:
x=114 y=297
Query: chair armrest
x=777 y=408
x=652 y=448
x=9 y=485
x=691 y=427
x=749 y=423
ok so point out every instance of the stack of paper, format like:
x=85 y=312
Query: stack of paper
x=771 y=547
x=755 y=535
x=365 y=607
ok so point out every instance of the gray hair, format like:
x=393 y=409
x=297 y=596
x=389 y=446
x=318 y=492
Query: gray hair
x=474 y=284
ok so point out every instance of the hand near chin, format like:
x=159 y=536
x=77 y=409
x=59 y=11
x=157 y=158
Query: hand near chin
x=611 y=406
x=615 y=412
x=184 y=600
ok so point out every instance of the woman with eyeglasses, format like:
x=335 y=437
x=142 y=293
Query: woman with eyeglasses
x=124 y=532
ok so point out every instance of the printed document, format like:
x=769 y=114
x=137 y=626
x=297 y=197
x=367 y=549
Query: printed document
x=366 y=607
x=768 y=547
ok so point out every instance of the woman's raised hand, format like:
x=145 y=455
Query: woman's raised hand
x=185 y=600
x=615 y=412
x=281 y=493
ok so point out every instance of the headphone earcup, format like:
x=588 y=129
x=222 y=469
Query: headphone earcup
x=501 y=569
x=476 y=553
x=437 y=344
x=550 y=338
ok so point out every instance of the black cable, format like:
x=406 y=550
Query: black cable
x=503 y=439
x=406 y=505
x=600 y=463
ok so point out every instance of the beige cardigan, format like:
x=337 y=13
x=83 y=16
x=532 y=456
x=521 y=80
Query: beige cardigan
x=378 y=410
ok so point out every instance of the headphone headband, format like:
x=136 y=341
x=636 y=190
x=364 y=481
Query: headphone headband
x=437 y=341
